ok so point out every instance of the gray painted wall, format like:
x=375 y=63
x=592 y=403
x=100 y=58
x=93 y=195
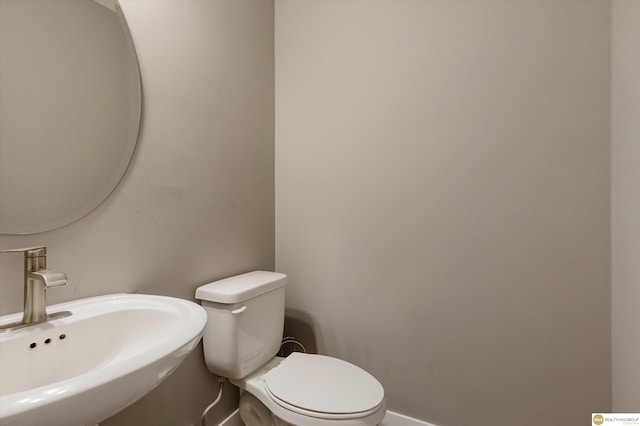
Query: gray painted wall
x=625 y=122
x=198 y=201
x=442 y=200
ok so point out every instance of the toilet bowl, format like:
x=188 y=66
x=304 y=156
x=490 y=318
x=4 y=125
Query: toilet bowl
x=243 y=334
x=312 y=390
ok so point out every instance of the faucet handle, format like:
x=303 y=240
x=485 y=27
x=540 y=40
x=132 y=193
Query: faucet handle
x=34 y=257
x=38 y=251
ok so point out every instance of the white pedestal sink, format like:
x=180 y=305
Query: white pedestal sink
x=81 y=369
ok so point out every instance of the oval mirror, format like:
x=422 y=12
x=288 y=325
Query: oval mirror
x=70 y=106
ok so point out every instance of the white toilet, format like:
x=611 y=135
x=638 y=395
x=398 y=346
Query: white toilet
x=243 y=335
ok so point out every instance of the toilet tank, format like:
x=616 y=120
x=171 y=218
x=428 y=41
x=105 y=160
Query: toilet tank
x=245 y=322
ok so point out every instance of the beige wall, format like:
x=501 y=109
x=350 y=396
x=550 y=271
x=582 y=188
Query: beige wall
x=626 y=205
x=198 y=202
x=442 y=200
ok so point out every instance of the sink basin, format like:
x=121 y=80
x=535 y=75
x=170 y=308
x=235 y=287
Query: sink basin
x=81 y=369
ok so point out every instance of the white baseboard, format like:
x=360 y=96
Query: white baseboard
x=233 y=419
x=391 y=419
x=397 y=419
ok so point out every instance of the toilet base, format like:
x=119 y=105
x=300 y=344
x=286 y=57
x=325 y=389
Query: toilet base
x=255 y=413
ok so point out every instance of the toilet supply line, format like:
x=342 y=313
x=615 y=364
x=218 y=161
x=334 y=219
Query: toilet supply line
x=203 y=422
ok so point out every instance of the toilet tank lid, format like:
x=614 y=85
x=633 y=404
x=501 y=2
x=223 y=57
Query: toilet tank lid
x=241 y=287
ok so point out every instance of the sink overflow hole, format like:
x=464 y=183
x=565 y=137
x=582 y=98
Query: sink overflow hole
x=33 y=345
x=62 y=336
x=47 y=341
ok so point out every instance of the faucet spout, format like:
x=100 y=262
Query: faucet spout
x=49 y=278
x=35 y=296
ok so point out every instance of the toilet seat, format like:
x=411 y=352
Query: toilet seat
x=321 y=386
x=268 y=382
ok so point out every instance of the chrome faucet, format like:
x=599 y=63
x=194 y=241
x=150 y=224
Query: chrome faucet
x=37 y=278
